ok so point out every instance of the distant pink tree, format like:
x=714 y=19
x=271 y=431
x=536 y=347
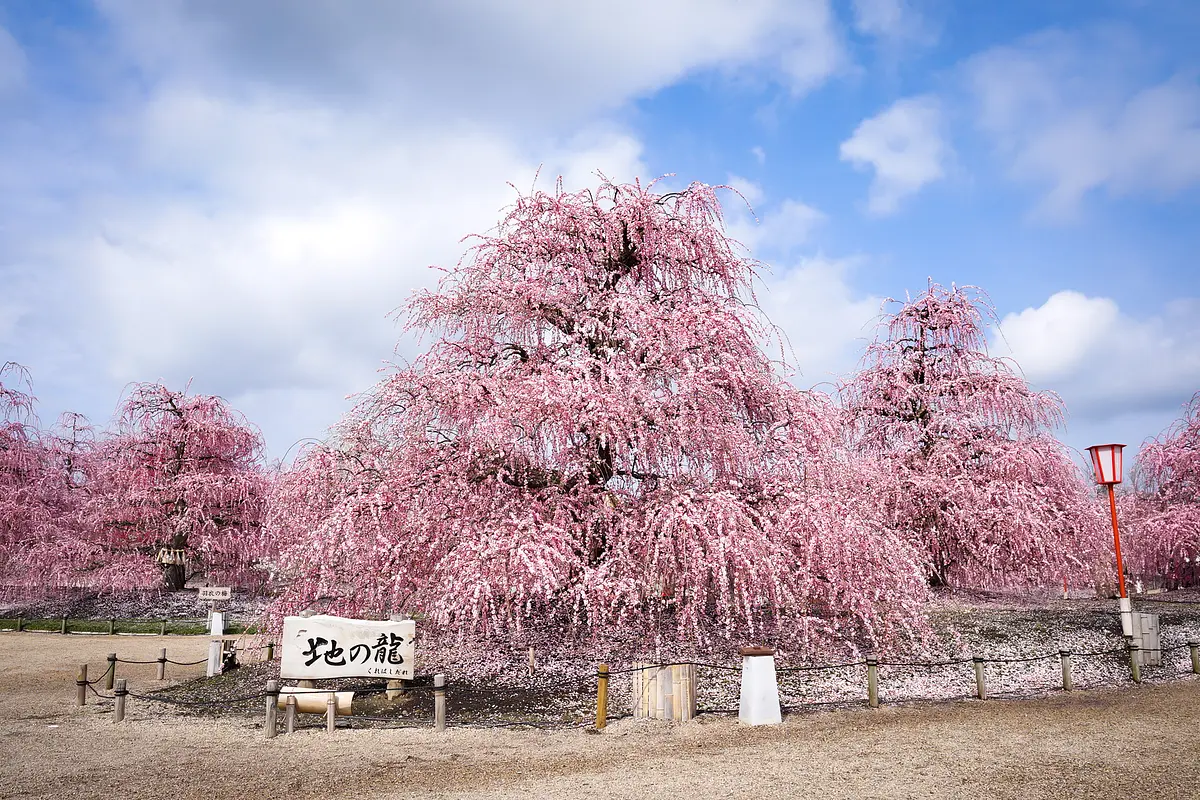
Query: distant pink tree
x=179 y=482
x=1163 y=520
x=969 y=466
x=594 y=445
x=24 y=515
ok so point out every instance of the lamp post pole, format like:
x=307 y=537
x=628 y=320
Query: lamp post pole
x=1107 y=464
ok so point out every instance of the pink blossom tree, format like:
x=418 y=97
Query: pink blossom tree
x=1163 y=520
x=594 y=445
x=973 y=475
x=24 y=516
x=181 y=482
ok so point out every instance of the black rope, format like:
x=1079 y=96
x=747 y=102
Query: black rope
x=612 y=672
x=126 y=661
x=184 y=663
x=822 y=667
x=1114 y=651
x=928 y=664
x=1017 y=660
x=702 y=665
x=173 y=701
x=101 y=696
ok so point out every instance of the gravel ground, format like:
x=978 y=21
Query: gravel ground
x=1131 y=740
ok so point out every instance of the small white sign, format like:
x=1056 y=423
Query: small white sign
x=215 y=593
x=323 y=646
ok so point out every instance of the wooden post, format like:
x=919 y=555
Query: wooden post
x=873 y=681
x=162 y=628
x=532 y=661
x=81 y=686
x=1195 y=648
x=20 y=624
x=439 y=702
x=270 y=651
x=1134 y=666
x=111 y=674
x=980 y=681
x=1065 y=655
x=330 y=712
x=270 y=726
x=162 y=664
x=119 y=709
x=112 y=626
x=62 y=628
x=602 y=697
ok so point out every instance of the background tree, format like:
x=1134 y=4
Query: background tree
x=1163 y=528
x=24 y=516
x=593 y=444
x=969 y=465
x=180 y=480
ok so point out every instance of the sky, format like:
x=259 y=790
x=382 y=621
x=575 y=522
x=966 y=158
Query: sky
x=237 y=193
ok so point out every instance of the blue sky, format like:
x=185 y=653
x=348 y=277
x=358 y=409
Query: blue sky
x=237 y=193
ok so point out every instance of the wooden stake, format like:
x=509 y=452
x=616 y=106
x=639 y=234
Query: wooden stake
x=330 y=712
x=20 y=624
x=1065 y=655
x=119 y=709
x=112 y=626
x=602 y=697
x=111 y=674
x=162 y=628
x=289 y=714
x=980 y=681
x=270 y=651
x=81 y=686
x=162 y=664
x=1195 y=648
x=269 y=727
x=872 y=681
x=63 y=627
x=1135 y=666
x=439 y=702
x=532 y=661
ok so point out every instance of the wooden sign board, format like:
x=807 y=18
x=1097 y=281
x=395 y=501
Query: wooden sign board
x=213 y=593
x=324 y=646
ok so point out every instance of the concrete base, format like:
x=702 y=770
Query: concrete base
x=1126 y=617
x=759 y=704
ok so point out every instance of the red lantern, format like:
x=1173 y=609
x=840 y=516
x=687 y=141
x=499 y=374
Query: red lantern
x=1107 y=463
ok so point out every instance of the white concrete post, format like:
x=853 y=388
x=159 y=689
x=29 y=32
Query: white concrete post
x=1126 y=616
x=759 y=703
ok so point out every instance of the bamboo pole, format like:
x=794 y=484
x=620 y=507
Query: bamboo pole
x=162 y=664
x=119 y=708
x=330 y=712
x=270 y=726
x=439 y=702
x=81 y=686
x=872 y=681
x=980 y=680
x=270 y=651
x=289 y=714
x=1065 y=655
x=111 y=674
x=602 y=697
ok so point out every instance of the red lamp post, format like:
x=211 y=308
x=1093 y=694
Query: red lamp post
x=1107 y=464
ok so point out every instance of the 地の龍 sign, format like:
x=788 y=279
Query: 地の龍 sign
x=211 y=593
x=323 y=646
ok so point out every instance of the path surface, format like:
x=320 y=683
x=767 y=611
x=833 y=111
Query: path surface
x=1135 y=742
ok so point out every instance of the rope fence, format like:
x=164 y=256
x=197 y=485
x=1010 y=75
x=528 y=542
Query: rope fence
x=113 y=626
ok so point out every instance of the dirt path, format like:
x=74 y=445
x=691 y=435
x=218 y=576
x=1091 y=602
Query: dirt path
x=1141 y=741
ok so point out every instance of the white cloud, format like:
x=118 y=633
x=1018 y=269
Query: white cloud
x=1068 y=114
x=1102 y=361
x=12 y=63
x=826 y=325
x=904 y=145
x=759 y=154
x=895 y=20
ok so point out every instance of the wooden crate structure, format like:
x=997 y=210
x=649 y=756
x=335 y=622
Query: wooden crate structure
x=1146 y=637
x=665 y=692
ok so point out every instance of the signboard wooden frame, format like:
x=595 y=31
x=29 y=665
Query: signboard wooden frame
x=325 y=646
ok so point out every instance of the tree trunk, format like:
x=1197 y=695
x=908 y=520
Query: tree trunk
x=174 y=575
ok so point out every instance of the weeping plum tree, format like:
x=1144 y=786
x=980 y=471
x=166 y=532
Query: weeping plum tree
x=23 y=514
x=1163 y=536
x=969 y=467
x=594 y=445
x=180 y=481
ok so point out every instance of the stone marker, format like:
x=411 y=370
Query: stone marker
x=759 y=704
